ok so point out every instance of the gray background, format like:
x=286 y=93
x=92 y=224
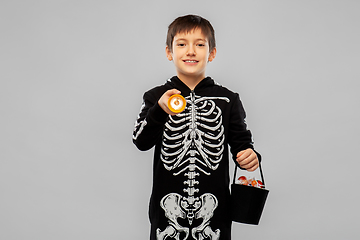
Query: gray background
x=72 y=78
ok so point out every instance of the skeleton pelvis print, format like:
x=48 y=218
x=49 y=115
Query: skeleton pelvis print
x=193 y=144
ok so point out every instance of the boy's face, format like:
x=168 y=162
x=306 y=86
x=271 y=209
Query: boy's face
x=190 y=54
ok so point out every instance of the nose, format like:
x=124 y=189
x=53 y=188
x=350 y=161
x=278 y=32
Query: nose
x=191 y=51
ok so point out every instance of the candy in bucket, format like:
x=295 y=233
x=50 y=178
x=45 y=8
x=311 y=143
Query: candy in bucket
x=250 y=182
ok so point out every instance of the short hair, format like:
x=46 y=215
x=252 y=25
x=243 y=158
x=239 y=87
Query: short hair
x=188 y=23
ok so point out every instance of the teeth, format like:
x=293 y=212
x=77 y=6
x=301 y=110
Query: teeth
x=191 y=61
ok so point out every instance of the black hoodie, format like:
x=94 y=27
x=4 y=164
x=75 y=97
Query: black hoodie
x=190 y=195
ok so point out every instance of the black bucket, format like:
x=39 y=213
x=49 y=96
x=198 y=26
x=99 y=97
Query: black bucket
x=247 y=202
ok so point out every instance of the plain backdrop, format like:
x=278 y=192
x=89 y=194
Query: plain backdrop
x=71 y=83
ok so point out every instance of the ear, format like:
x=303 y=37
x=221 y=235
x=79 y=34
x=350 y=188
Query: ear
x=212 y=54
x=168 y=53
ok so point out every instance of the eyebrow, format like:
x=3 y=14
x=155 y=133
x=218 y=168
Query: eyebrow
x=184 y=39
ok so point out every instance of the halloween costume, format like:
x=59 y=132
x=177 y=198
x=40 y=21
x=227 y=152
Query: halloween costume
x=190 y=195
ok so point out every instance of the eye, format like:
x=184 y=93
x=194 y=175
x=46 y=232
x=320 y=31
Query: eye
x=201 y=45
x=181 y=44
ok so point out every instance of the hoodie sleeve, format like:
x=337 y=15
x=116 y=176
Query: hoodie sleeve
x=240 y=138
x=149 y=124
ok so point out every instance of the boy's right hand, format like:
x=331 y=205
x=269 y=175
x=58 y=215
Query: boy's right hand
x=163 y=101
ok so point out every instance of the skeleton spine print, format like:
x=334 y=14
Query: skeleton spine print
x=193 y=144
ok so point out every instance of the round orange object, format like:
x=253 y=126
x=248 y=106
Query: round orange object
x=176 y=103
x=254 y=183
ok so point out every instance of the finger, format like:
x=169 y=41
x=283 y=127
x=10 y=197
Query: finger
x=173 y=92
x=246 y=157
x=246 y=164
x=252 y=166
x=240 y=153
x=243 y=154
x=249 y=161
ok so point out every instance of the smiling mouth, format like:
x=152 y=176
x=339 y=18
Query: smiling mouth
x=190 y=61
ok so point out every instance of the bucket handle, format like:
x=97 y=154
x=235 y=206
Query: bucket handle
x=261 y=173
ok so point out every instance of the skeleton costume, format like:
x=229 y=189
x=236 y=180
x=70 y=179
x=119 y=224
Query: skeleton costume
x=190 y=195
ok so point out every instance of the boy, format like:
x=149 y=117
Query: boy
x=190 y=195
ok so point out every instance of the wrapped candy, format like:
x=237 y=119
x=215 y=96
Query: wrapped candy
x=243 y=180
x=254 y=183
x=250 y=182
x=260 y=184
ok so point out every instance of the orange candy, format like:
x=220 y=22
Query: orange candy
x=176 y=103
x=254 y=183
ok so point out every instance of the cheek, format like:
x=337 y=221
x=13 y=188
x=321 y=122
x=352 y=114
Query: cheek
x=206 y=57
x=176 y=54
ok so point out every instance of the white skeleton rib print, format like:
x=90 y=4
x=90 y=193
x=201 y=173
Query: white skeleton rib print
x=193 y=144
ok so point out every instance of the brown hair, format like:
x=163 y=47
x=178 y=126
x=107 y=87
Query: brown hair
x=188 y=23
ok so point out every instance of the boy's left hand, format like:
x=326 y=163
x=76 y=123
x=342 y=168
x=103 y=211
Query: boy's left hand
x=248 y=160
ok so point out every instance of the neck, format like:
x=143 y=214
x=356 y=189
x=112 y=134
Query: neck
x=191 y=81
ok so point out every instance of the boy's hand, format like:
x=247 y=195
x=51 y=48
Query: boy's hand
x=248 y=159
x=163 y=101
